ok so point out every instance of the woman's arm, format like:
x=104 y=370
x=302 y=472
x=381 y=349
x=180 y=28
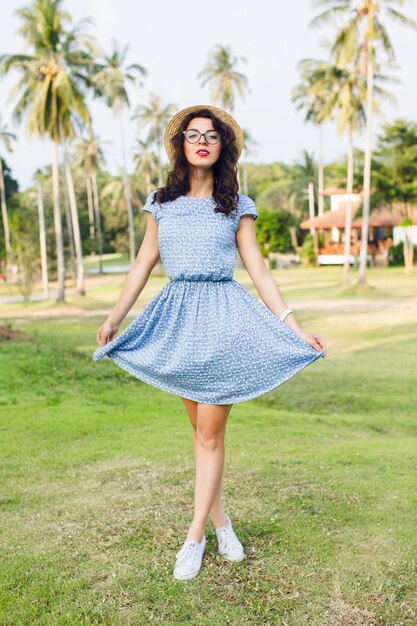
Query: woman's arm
x=146 y=259
x=264 y=281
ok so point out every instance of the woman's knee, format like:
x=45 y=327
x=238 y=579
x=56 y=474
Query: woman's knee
x=211 y=424
x=210 y=436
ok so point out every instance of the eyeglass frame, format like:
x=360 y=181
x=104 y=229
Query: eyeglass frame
x=202 y=135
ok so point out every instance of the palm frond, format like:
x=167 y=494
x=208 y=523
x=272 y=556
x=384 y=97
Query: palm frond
x=331 y=15
x=400 y=18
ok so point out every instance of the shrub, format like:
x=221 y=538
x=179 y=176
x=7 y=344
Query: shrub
x=396 y=254
x=307 y=253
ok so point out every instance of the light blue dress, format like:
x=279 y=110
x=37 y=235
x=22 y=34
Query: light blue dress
x=204 y=336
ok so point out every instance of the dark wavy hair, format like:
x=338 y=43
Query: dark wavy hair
x=225 y=169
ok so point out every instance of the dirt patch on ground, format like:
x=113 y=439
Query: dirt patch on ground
x=10 y=335
x=343 y=614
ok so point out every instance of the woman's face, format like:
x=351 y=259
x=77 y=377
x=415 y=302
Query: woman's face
x=202 y=154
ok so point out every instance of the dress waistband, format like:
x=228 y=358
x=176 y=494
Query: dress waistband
x=199 y=280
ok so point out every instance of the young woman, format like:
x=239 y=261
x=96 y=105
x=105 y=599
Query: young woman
x=204 y=337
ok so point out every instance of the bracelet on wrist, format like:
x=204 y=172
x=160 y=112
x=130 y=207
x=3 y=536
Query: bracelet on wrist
x=285 y=313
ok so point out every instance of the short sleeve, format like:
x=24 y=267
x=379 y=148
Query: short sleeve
x=152 y=208
x=247 y=207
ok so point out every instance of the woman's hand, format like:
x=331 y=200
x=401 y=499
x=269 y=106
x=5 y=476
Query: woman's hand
x=106 y=332
x=315 y=341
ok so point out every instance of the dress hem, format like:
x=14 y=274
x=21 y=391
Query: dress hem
x=173 y=390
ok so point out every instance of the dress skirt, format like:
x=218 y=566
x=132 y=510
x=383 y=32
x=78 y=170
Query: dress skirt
x=211 y=341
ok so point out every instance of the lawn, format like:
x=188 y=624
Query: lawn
x=97 y=473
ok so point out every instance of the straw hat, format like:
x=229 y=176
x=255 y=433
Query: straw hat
x=174 y=124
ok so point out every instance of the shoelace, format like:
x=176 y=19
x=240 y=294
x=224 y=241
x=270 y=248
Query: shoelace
x=186 y=550
x=228 y=536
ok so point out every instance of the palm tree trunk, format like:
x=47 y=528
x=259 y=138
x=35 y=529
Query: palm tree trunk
x=90 y=206
x=98 y=221
x=58 y=228
x=321 y=171
x=80 y=291
x=69 y=228
x=293 y=235
x=348 y=217
x=367 y=168
x=313 y=230
x=42 y=244
x=160 y=182
x=148 y=182
x=159 y=143
x=132 y=247
x=408 y=250
x=5 y=218
x=408 y=247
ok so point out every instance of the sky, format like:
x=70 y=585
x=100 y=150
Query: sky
x=173 y=41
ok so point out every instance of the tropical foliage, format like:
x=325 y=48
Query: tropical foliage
x=98 y=212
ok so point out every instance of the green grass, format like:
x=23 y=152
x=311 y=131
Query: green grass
x=97 y=476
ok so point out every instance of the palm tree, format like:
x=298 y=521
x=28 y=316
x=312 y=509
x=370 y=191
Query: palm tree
x=365 y=26
x=301 y=174
x=310 y=94
x=154 y=116
x=346 y=102
x=110 y=81
x=345 y=96
x=51 y=95
x=146 y=161
x=115 y=190
x=301 y=189
x=89 y=157
x=6 y=137
x=223 y=78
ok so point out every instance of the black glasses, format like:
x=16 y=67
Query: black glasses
x=193 y=136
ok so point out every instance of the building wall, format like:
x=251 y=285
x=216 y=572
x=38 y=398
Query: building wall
x=398 y=234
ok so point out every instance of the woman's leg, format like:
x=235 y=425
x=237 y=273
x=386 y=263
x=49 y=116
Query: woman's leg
x=217 y=511
x=209 y=425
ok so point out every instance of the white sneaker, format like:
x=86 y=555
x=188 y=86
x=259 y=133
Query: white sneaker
x=189 y=559
x=229 y=545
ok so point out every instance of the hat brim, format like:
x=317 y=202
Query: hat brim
x=175 y=122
